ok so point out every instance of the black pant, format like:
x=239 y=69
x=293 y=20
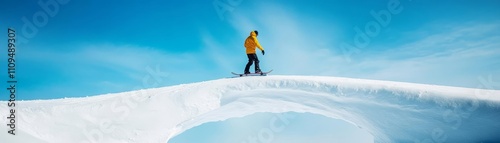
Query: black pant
x=252 y=58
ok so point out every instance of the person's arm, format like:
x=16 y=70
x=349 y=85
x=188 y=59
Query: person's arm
x=258 y=44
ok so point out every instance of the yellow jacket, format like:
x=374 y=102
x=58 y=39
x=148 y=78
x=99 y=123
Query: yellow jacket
x=251 y=42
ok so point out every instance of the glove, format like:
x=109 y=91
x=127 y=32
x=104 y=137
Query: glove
x=263 y=53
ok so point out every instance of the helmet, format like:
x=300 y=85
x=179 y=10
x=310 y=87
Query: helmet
x=256 y=32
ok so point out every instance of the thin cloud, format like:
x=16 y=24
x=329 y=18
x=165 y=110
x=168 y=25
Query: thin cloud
x=107 y=68
x=288 y=49
x=455 y=55
x=451 y=57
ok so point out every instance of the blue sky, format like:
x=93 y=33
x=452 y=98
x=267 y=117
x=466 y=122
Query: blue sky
x=85 y=48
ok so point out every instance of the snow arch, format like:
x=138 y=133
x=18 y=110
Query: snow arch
x=390 y=111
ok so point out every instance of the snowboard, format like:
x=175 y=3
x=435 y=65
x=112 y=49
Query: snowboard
x=252 y=74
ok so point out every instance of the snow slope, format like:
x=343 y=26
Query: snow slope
x=390 y=111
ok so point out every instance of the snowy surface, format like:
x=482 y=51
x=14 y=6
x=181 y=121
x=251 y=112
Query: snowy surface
x=390 y=111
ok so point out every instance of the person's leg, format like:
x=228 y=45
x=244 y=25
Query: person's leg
x=256 y=60
x=250 y=62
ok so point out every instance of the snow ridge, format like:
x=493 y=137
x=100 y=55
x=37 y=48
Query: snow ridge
x=390 y=111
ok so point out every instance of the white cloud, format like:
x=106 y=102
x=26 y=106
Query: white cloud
x=289 y=49
x=452 y=57
x=104 y=68
x=448 y=54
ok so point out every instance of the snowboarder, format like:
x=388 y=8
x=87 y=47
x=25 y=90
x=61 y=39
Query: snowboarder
x=250 y=43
